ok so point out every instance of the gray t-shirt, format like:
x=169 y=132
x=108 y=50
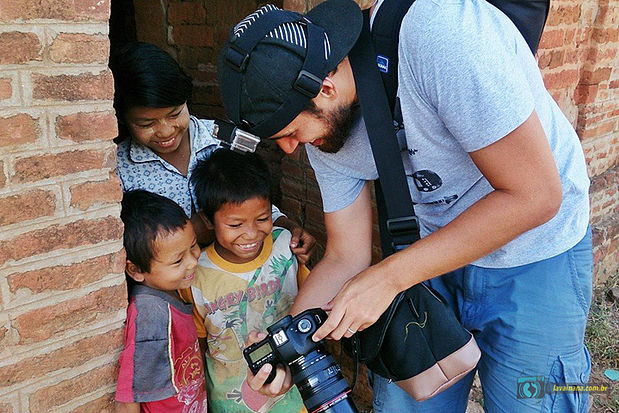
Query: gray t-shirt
x=466 y=79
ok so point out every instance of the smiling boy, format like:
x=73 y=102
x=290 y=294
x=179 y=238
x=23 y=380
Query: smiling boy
x=161 y=368
x=245 y=281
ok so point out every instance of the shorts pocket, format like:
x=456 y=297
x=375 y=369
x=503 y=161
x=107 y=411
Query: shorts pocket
x=581 y=270
x=571 y=368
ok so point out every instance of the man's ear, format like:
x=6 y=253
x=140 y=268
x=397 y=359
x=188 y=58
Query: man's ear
x=207 y=222
x=328 y=89
x=133 y=271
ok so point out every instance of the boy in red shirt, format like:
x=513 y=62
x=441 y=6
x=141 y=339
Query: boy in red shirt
x=161 y=368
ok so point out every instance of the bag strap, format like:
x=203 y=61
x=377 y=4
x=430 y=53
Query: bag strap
x=401 y=225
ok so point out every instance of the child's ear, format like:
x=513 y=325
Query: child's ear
x=207 y=222
x=134 y=272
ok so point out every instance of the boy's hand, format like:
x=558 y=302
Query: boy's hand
x=280 y=384
x=302 y=244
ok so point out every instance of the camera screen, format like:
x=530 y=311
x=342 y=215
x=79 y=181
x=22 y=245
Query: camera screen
x=260 y=352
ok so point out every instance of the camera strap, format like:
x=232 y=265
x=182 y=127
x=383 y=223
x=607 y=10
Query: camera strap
x=399 y=227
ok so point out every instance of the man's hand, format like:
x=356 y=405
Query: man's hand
x=280 y=384
x=358 y=305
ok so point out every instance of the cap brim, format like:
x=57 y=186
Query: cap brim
x=342 y=20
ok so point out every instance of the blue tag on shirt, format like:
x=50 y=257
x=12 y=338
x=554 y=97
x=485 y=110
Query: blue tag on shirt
x=383 y=63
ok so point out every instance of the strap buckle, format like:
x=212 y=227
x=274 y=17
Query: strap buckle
x=307 y=84
x=237 y=58
x=404 y=231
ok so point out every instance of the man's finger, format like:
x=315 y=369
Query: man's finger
x=334 y=319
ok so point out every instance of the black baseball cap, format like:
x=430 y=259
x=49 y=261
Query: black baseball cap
x=275 y=61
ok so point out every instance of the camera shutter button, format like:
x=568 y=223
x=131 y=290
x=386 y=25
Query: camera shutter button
x=304 y=325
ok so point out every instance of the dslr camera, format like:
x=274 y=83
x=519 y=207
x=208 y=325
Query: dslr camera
x=317 y=376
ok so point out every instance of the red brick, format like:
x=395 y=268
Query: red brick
x=45 y=166
x=2 y=175
x=563 y=79
x=104 y=404
x=584 y=94
x=563 y=15
x=191 y=57
x=98 y=10
x=614 y=84
x=605 y=35
x=193 y=35
x=36 y=9
x=597 y=76
x=18 y=48
x=186 y=12
x=85 y=126
x=87 y=194
x=95 y=10
x=67 y=277
x=601 y=129
x=79 y=233
x=85 y=86
x=299 y=6
x=551 y=39
x=79 y=48
x=18 y=129
x=26 y=206
x=46 y=399
x=206 y=95
x=72 y=355
x=6 y=88
x=71 y=315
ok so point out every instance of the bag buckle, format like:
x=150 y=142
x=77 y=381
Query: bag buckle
x=404 y=231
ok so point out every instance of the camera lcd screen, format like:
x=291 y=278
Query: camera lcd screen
x=260 y=352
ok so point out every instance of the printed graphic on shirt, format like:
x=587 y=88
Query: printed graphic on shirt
x=233 y=300
x=427 y=181
x=191 y=380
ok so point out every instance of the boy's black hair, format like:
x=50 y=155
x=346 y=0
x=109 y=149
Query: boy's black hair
x=147 y=215
x=145 y=75
x=228 y=176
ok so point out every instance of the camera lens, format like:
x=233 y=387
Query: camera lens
x=321 y=383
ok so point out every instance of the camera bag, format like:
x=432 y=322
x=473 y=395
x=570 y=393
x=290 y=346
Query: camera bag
x=418 y=341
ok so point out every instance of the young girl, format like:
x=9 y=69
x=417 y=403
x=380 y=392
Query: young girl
x=160 y=142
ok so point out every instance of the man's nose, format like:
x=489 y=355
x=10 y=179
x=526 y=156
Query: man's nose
x=288 y=145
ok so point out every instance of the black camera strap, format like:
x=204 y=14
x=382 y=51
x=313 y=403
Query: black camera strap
x=399 y=227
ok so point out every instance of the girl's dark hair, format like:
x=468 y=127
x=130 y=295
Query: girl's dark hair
x=147 y=215
x=228 y=176
x=145 y=75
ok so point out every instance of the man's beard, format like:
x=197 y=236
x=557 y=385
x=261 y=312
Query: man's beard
x=338 y=121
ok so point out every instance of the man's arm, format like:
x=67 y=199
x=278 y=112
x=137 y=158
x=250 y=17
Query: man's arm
x=348 y=252
x=527 y=193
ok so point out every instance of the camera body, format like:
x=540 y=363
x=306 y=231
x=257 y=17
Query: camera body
x=288 y=339
x=317 y=376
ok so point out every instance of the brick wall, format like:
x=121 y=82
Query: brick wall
x=62 y=293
